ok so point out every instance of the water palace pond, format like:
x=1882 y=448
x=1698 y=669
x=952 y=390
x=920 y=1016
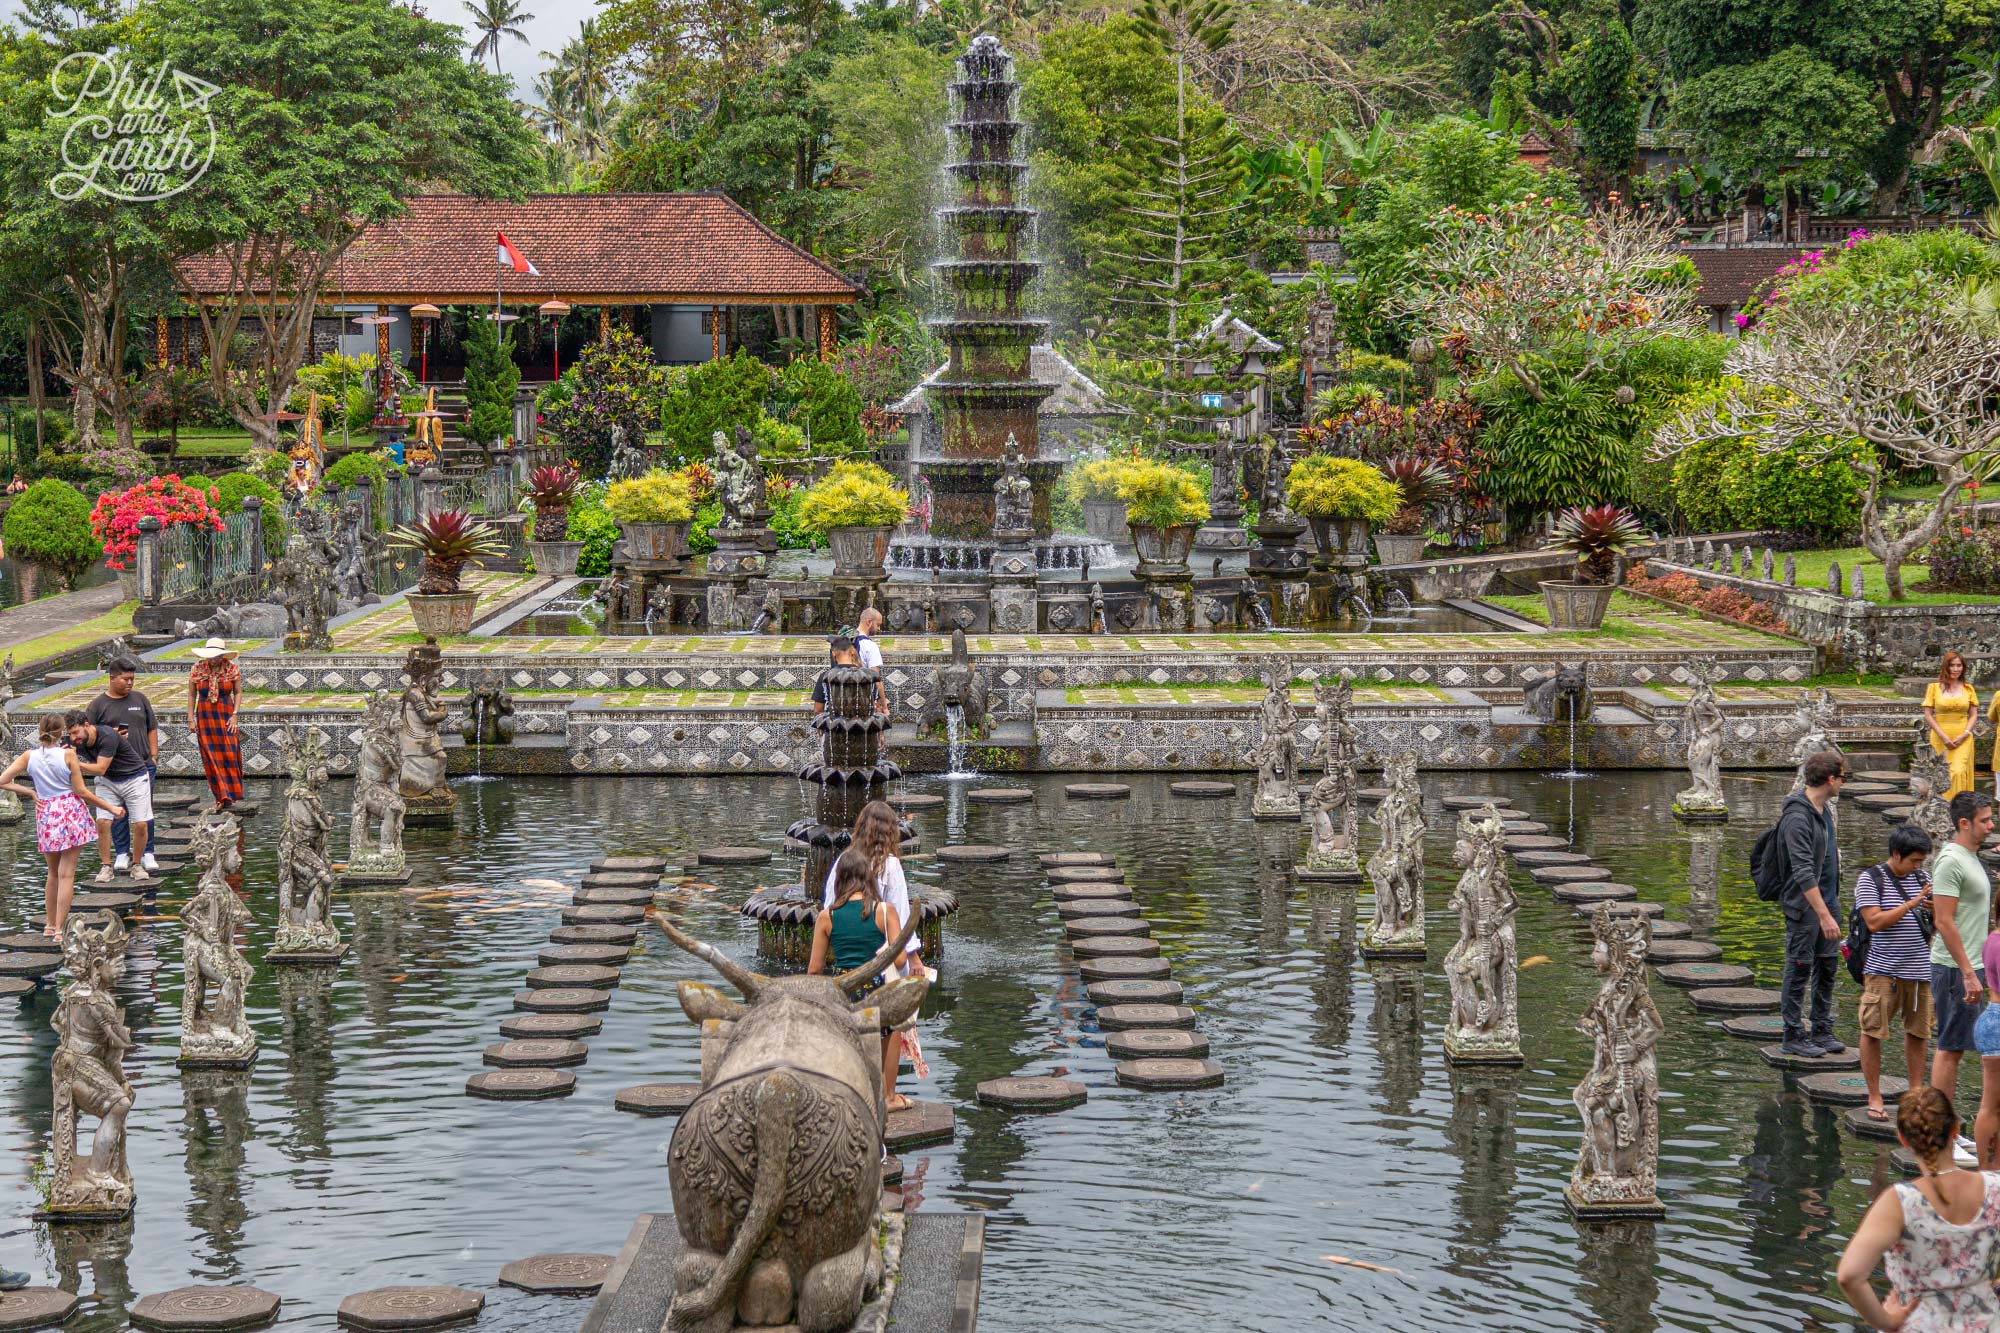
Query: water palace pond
x=351 y=1158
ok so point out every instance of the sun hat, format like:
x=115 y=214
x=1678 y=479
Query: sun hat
x=214 y=648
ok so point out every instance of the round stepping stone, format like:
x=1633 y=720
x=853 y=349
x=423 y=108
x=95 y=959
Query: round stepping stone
x=186 y=1309
x=733 y=856
x=521 y=1085
x=599 y=934
x=1000 y=795
x=558 y=1274
x=1849 y=790
x=1895 y=775
x=1754 y=1027
x=1860 y=1123
x=1653 y=910
x=563 y=1000
x=973 y=851
x=177 y=800
x=1031 y=1094
x=924 y=1123
x=1126 y=1017
x=586 y=955
x=1896 y=814
x=29 y=964
x=1074 y=909
x=619 y=879
x=1879 y=800
x=1661 y=952
x=1124 y=969
x=1691 y=976
x=1593 y=893
x=30 y=942
x=1552 y=859
x=533 y=1027
x=389 y=1308
x=1071 y=893
x=1085 y=875
x=1472 y=801
x=1533 y=842
x=1371 y=795
x=535 y=1053
x=1672 y=930
x=1526 y=827
x=1097 y=791
x=917 y=801
x=36 y=1307
x=602 y=914
x=103 y=900
x=1104 y=994
x=1569 y=874
x=1774 y=1056
x=1116 y=946
x=1167 y=1074
x=613 y=897
x=653 y=865
x=657 y=1098
x=590 y=976
x=15 y=988
x=1734 y=1000
x=1148 y=1043
x=1848 y=1088
x=1078 y=859
x=1202 y=790
x=1105 y=927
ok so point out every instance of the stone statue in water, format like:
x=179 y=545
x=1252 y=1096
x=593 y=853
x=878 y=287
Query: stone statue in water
x=214 y=1032
x=1930 y=779
x=88 y=1074
x=1485 y=1022
x=1397 y=868
x=1277 y=752
x=377 y=775
x=739 y=482
x=305 y=876
x=423 y=784
x=1705 y=725
x=1814 y=716
x=1619 y=1097
x=302 y=583
x=1332 y=802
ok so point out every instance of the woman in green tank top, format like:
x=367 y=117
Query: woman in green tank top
x=858 y=924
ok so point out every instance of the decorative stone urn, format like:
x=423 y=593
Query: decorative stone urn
x=1400 y=549
x=1576 y=605
x=443 y=613
x=1341 y=541
x=556 y=559
x=663 y=543
x=1104 y=519
x=858 y=553
x=1163 y=552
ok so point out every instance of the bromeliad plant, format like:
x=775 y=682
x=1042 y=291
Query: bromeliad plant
x=448 y=540
x=552 y=489
x=1420 y=484
x=1596 y=536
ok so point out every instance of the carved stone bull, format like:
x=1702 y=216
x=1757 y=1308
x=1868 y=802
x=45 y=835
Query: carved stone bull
x=776 y=1167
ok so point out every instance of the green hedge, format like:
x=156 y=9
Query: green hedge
x=49 y=524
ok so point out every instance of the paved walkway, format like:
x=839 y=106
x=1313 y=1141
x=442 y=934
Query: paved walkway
x=51 y=615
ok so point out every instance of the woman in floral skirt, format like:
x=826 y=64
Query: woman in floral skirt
x=214 y=687
x=62 y=825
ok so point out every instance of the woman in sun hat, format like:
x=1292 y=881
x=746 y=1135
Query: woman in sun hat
x=214 y=686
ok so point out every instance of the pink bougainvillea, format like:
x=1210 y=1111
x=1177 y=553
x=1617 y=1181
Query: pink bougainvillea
x=115 y=520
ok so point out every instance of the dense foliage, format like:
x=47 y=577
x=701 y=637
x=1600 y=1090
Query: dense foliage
x=114 y=520
x=490 y=380
x=49 y=524
x=615 y=382
x=853 y=495
x=714 y=396
x=228 y=492
x=1319 y=486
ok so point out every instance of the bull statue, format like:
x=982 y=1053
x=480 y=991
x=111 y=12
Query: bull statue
x=776 y=1168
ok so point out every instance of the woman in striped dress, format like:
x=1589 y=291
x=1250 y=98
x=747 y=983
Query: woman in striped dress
x=214 y=687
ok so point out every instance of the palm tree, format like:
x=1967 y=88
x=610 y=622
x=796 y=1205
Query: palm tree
x=496 y=19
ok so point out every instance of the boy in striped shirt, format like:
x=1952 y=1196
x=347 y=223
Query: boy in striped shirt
x=1897 y=976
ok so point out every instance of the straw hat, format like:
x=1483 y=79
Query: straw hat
x=215 y=648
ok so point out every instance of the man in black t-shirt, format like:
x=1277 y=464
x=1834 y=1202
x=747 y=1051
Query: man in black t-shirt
x=121 y=775
x=131 y=712
x=843 y=653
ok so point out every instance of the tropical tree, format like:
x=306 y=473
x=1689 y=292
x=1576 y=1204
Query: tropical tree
x=496 y=19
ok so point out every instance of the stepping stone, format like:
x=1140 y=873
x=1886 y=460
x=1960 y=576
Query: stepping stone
x=1371 y=795
x=603 y=914
x=1851 y=790
x=410 y=1307
x=1533 y=842
x=653 y=865
x=1127 y=991
x=1125 y=1017
x=204 y=1309
x=563 y=1000
x=1031 y=1094
x=1672 y=930
x=1470 y=801
x=917 y=801
x=1859 y=1123
x=535 y=1053
x=534 y=1027
x=178 y=800
x=1895 y=775
x=1552 y=859
x=1078 y=859
x=1148 y=1043
x=243 y=809
x=1570 y=874
x=1628 y=908
x=620 y=880
x=30 y=942
x=1527 y=827
x=16 y=988
x=1848 y=1088
x=657 y=1098
x=1085 y=875
x=1755 y=1027
x=1071 y=893
x=1692 y=976
x=586 y=955
x=29 y=964
x=732 y=856
x=1000 y=795
x=1074 y=909
x=923 y=1124
x=1169 y=1075
x=1590 y=894
x=36 y=1307
x=613 y=897
x=1881 y=800
x=1897 y=814
x=892 y=1171
x=1105 y=927
x=1116 y=946
x=1124 y=969
x=591 y=976
x=595 y=934
x=1734 y=1000
x=1774 y=1056
x=1097 y=791
x=558 y=1274
x=1201 y=790
x=103 y=900
x=974 y=851
x=521 y=1085
x=1683 y=951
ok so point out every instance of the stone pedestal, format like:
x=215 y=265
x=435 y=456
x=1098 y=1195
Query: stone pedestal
x=740 y=553
x=1012 y=594
x=1170 y=602
x=730 y=605
x=439 y=805
x=1277 y=553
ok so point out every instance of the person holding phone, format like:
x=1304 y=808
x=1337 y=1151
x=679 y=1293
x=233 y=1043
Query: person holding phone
x=1892 y=897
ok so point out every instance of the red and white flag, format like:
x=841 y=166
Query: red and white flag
x=509 y=257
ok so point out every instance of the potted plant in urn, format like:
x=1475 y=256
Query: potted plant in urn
x=1596 y=536
x=855 y=505
x=1342 y=498
x=1163 y=508
x=653 y=513
x=551 y=490
x=1420 y=484
x=448 y=540
x=1093 y=484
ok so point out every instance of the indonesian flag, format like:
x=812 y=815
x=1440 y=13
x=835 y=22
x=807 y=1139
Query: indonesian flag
x=508 y=257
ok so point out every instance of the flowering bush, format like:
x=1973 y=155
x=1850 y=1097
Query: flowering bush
x=1772 y=293
x=1442 y=431
x=115 y=520
x=1964 y=559
x=1727 y=603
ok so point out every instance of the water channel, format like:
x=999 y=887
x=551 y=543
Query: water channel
x=351 y=1158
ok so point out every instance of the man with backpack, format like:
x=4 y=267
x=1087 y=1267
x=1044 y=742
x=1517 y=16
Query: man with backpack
x=1889 y=953
x=1810 y=896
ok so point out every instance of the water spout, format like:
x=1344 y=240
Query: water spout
x=954 y=733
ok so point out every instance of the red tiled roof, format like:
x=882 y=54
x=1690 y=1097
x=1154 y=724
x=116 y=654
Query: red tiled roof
x=1729 y=276
x=605 y=249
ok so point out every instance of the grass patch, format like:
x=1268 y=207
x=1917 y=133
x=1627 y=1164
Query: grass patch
x=118 y=620
x=1812 y=569
x=1618 y=619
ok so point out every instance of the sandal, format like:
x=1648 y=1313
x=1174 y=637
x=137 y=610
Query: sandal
x=1878 y=1113
x=895 y=1102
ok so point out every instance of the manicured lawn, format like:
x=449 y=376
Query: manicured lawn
x=118 y=620
x=1620 y=620
x=1813 y=566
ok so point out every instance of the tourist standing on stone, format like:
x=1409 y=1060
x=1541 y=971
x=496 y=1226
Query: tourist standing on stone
x=61 y=825
x=215 y=685
x=1896 y=980
x=869 y=653
x=118 y=765
x=1961 y=900
x=851 y=932
x=1950 y=705
x=878 y=836
x=1811 y=901
x=1938 y=1240
x=131 y=712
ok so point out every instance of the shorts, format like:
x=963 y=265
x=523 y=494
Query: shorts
x=1954 y=1016
x=1888 y=1000
x=1986 y=1033
x=134 y=793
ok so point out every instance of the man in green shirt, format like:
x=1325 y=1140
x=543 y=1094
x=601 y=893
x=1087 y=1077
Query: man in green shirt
x=1961 y=899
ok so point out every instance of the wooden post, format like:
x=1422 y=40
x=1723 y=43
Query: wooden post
x=385 y=383
x=604 y=323
x=826 y=331
x=715 y=333
x=160 y=332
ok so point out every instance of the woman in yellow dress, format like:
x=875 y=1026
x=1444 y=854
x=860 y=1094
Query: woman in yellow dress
x=1950 y=704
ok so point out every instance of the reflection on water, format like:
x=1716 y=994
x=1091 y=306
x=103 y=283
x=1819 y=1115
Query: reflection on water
x=349 y=1156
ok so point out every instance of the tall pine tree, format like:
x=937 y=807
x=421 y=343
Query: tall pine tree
x=490 y=380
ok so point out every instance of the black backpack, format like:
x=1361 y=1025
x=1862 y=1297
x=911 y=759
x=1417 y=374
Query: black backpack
x=1770 y=864
x=1858 y=934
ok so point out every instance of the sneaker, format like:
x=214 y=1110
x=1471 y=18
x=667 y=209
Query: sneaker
x=139 y=875
x=1829 y=1043
x=105 y=874
x=1804 y=1047
x=123 y=863
x=13 y=1281
x=150 y=864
